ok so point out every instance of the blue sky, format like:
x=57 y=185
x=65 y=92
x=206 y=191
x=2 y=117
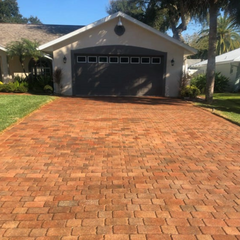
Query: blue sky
x=72 y=12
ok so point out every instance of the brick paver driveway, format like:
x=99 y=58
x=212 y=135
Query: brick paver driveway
x=120 y=168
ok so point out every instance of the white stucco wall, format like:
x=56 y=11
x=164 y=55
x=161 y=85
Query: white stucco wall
x=134 y=36
x=230 y=70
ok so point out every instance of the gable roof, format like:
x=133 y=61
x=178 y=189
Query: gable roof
x=42 y=33
x=50 y=45
x=232 y=56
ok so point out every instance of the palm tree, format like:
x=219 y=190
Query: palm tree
x=213 y=7
x=23 y=49
x=228 y=34
x=228 y=37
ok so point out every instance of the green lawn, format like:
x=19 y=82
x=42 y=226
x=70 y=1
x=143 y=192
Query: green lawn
x=226 y=105
x=14 y=107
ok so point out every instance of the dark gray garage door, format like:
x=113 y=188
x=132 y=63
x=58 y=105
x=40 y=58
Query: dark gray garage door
x=118 y=71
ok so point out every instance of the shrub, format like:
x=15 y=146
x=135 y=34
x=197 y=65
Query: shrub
x=200 y=82
x=10 y=87
x=221 y=82
x=190 y=91
x=48 y=89
x=37 y=83
x=14 y=87
x=22 y=89
x=2 y=87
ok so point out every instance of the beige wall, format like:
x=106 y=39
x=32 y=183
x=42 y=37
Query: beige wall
x=4 y=67
x=134 y=36
x=16 y=68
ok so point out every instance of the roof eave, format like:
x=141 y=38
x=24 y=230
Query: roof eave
x=49 y=46
x=3 y=49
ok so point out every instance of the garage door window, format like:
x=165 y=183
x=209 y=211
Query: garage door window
x=81 y=59
x=119 y=59
x=92 y=59
x=156 y=60
x=145 y=60
x=135 y=60
x=124 y=60
x=103 y=59
x=113 y=60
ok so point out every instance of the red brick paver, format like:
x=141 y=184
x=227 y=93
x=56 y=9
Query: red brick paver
x=120 y=168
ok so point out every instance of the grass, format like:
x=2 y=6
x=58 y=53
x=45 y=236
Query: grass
x=14 y=107
x=226 y=105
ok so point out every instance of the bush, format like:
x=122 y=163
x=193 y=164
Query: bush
x=221 y=82
x=48 y=89
x=22 y=89
x=2 y=87
x=190 y=91
x=37 y=84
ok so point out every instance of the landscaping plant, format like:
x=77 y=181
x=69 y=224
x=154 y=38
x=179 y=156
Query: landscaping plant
x=190 y=92
x=221 y=83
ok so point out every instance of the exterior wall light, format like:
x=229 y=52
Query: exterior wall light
x=64 y=59
x=172 y=62
x=120 y=24
x=119 y=28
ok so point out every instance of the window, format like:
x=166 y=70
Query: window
x=135 y=60
x=42 y=67
x=124 y=60
x=92 y=59
x=156 y=60
x=145 y=60
x=103 y=59
x=81 y=59
x=113 y=59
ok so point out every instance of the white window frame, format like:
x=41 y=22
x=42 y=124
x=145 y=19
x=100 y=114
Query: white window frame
x=135 y=62
x=124 y=62
x=158 y=58
x=94 y=57
x=113 y=57
x=102 y=57
x=145 y=62
x=82 y=61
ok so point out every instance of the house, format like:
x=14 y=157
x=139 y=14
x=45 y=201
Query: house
x=228 y=64
x=40 y=33
x=118 y=55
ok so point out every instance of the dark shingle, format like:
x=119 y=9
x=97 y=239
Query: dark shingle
x=42 y=33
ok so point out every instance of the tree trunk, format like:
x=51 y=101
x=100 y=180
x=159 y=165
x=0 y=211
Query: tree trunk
x=213 y=12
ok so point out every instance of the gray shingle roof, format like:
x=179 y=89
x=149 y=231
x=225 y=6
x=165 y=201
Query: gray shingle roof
x=42 y=33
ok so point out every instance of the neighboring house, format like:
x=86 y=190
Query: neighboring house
x=228 y=64
x=40 y=33
x=190 y=62
x=118 y=55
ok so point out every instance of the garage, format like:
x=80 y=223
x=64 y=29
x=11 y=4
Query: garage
x=118 y=56
x=118 y=71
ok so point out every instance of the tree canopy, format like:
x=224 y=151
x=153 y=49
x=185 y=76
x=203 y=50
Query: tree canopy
x=9 y=13
x=228 y=37
x=23 y=49
x=159 y=14
x=176 y=14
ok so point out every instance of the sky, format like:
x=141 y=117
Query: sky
x=69 y=12
x=72 y=12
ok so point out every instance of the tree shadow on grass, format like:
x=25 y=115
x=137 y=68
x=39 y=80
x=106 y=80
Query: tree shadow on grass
x=225 y=106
